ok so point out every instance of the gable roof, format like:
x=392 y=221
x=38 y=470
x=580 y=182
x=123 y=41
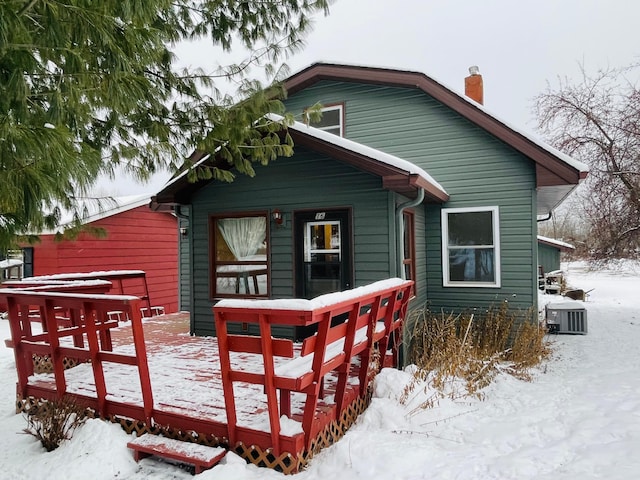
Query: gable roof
x=98 y=209
x=397 y=174
x=557 y=174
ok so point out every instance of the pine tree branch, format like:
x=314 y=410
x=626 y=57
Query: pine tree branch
x=26 y=8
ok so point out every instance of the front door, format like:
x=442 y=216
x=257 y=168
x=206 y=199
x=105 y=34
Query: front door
x=323 y=252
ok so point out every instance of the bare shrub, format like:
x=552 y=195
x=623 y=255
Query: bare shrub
x=459 y=354
x=54 y=421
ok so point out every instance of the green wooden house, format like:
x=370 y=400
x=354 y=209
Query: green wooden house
x=549 y=253
x=402 y=177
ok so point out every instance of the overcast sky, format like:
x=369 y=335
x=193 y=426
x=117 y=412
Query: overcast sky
x=519 y=46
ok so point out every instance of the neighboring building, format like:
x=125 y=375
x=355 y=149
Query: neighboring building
x=11 y=268
x=403 y=177
x=549 y=253
x=137 y=238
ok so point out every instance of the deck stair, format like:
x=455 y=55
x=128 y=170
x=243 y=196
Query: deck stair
x=201 y=457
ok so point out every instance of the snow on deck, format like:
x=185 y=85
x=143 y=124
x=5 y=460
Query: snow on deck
x=185 y=377
x=10 y=262
x=86 y=276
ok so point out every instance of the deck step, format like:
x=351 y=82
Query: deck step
x=200 y=456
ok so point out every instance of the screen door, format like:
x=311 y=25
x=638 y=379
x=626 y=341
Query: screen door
x=323 y=252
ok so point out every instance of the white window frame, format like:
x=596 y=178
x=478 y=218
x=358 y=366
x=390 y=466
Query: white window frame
x=495 y=217
x=328 y=108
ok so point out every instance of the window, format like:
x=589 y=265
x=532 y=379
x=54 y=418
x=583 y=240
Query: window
x=471 y=247
x=239 y=255
x=409 y=260
x=331 y=120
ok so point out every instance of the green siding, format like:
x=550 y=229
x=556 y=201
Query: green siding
x=421 y=257
x=548 y=257
x=474 y=168
x=184 y=250
x=305 y=181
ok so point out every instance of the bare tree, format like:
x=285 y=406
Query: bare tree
x=597 y=121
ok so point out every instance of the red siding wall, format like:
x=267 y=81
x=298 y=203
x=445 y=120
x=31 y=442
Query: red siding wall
x=138 y=239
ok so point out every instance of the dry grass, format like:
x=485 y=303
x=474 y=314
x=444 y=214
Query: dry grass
x=458 y=355
x=54 y=421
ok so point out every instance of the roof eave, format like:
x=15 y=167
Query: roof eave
x=408 y=185
x=394 y=179
x=562 y=246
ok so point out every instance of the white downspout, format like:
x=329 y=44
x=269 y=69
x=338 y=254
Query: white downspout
x=400 y=229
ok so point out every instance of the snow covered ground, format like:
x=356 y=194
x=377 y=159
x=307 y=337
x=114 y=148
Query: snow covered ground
x=578 y=419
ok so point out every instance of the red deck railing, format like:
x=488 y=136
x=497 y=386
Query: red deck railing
x=357 y=332
x=349 y=325
x=117 y=277
x=77 y=317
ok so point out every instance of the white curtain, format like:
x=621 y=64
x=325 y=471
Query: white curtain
x=244 y=236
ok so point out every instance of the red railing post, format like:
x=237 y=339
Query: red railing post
x=365 y=356
x=141 y=357
x=225 y=372
x=311 y=402
x=57 y=360
x=345 y=368
x=24 y=361
x=89 y=323
x=269 y=385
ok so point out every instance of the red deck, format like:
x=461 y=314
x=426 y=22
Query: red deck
x=154 y=373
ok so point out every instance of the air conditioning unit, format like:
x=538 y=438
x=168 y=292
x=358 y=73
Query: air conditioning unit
x=567 y=316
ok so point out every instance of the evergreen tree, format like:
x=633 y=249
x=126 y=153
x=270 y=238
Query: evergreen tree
x=90 y=86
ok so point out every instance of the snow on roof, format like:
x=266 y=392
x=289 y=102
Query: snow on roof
x=177 y=178
x=31 y=281
x=356 y=147
x=553 y=241
x=581 y=167
x=346 y=144
x=98 y=209
x=395 y=161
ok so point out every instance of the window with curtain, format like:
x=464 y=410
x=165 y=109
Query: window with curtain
x=239 y=257
x=471 y=247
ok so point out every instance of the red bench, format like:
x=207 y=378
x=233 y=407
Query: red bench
x=373 y=317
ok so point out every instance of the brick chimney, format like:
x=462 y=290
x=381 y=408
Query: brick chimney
x=473 y=85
